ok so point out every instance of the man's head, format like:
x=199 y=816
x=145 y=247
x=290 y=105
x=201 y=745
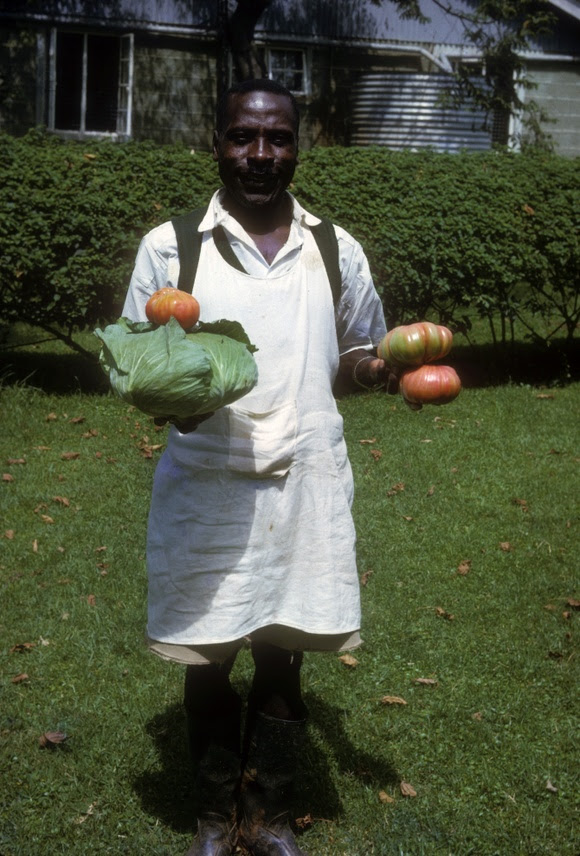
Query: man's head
x=256 y=143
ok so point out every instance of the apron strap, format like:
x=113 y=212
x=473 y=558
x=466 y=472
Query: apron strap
x=189 y=247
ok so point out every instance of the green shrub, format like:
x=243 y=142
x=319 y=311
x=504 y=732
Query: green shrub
x=446 y=235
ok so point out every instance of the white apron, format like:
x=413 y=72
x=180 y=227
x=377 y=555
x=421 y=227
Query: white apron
x=250 y=521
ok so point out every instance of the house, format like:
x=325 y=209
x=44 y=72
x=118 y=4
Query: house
x=150 y=69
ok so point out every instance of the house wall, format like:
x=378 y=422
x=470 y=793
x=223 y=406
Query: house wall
x=174 y=95
x=18 y=80
x=558 y=94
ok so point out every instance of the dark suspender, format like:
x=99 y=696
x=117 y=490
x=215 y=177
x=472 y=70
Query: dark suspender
x=189 y=247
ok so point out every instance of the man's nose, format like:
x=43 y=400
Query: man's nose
x=260 y=149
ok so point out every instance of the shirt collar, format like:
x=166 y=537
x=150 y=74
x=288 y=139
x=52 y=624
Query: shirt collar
x=217 y=215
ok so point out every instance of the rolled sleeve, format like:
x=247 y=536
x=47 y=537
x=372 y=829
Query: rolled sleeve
x=360 y=320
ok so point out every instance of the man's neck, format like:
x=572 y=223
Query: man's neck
x=262 y=220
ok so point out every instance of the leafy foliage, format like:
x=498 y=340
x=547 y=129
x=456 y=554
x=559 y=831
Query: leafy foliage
x=446 y=235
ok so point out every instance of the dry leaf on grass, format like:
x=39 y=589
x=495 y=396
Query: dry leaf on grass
x=368 y=442
x=505 y=546
x=21 y=647
x=384 y=797
x=575 y=604
x=392 y=699
x=376 y=454
x=426 y=682
x=70 y=456
x=16 y=461
x=7 y=477
x=52 y=739
x=304 y=822
x=19 y=679
x=396 y=488
x=9 y=534
x=550 y=787
x=442 y=613
x=366 y=577
x=464 y=567
x=407 y=790
x=349 y=661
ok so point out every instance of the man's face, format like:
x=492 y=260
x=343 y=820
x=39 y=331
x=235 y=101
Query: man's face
x=257 y=149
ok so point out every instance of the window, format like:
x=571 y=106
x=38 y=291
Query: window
x=288 y=67
x=91 y=83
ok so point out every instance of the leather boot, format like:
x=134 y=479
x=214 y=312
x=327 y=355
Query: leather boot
x=267 y=784
x=215 y=751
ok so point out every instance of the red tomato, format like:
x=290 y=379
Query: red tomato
x=430 y=384
x=415 y=344
x=168 y=302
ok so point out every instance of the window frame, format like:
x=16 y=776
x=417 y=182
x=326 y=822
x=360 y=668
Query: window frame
x=269 y=50
x=124 y=119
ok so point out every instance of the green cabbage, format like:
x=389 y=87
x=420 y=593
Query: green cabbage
x=164 y=371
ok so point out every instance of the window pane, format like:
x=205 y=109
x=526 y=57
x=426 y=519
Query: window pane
x=69 y=80
x=287 y=67
x=102 y=83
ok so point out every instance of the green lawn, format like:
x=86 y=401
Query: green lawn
x=468 y=542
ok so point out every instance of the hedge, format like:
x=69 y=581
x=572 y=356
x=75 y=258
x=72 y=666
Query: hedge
x=446 y=235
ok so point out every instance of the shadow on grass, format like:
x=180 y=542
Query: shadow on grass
x=167 y=793
x=58 y=374
x=477 y=365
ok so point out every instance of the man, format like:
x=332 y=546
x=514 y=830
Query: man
x=250 y=533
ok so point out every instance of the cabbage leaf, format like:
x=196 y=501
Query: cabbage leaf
x=164 y=371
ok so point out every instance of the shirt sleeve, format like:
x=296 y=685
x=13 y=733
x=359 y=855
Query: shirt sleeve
x=360 y=320
x=156 y=266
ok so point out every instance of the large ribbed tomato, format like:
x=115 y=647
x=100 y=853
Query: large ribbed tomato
x=415 y=344
x=430 y=384
x=171 y=302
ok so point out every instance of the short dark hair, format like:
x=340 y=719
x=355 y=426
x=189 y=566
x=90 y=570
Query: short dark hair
x=258 y=84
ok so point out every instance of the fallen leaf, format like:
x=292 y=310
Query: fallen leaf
x=46 y=518
x=52 y=739
x=368 y=442
x=100 y=549
x=505 y=546
x=575 y=604
x=366 y=577
x=88 y=813
x=426 y=682
x=19 y=679
x=51 y=417
x=70 y=456
x=431 y=490
x=92 y=600
x=9 y=534
x=92 y=432
x=304 y=822
x=7 y=477
x=16 y=461
x=544 y=395
x=426 y=440
x=550 y=787
x=477 y=716
x=20 y=647
x=62 y=500
x=349 y=661
x=392 y=699
x=522 y=503
x=385 y=798
x=528 y=209
x=76 y=420
x=550 y=607
x=376 y=454
x=464 y=567
x=407 y=790
x=396 y=488
x=407 y=518
x=35 y=546
x=442 y=613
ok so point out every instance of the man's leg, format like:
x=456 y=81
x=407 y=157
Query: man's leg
x=213 y=725
x=274 y=732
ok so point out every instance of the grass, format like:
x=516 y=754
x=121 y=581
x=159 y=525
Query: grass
x=468 y=539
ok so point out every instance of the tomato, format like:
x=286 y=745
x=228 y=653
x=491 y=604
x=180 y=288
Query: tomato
x=168 y=302
x=415 y=344
x=430 y=384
